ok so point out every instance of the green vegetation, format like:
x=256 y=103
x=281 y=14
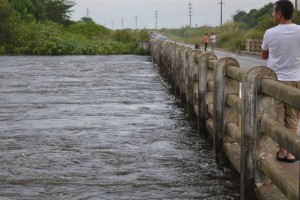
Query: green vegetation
x=43 y=27
x=232 y=35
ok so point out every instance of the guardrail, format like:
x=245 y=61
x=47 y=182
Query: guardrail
x=236 y=109
x=253 y=45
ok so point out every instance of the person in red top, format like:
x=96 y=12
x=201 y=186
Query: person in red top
x=205 y=41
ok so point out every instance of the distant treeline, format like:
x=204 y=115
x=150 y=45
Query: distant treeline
x=44 y=27
x=232 y=35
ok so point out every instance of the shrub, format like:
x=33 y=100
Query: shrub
x=2 y=50
x=89 y=29
x=141 y=51
x=113 y=47
x=49 y=38
x=124 y=36
x=143 y=35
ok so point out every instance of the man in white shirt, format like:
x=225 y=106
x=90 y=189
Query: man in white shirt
x=281 y=46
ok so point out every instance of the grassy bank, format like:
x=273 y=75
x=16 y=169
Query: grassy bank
x=30 y=27
x=80 y=38
x=230 y=36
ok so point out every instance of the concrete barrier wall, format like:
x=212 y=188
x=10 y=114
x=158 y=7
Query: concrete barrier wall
x=253 y=45
x=236 y=109
x=143 y=45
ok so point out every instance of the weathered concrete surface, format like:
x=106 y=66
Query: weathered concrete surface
x=233 y=151
x=282 y=92
x=284 y=136
x=279 y=174
x=217 y=101
x=269 y=192
x=222 y=114
x=252 y=111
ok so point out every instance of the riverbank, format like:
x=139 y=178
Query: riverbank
x=79 y=38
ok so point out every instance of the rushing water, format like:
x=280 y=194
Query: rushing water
x=100 y=127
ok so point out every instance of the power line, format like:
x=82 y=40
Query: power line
x=190 y=13
x=156 y=15
x=87 y=12
x=221 y=15
x=136 y=21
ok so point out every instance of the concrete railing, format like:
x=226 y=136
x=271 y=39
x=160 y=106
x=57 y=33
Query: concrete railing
x=236 y=109
x=253 y=45
x=143 y=45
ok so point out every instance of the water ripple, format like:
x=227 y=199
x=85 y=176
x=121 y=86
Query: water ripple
x=100 y=127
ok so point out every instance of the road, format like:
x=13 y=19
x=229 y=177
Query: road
x=244 y=59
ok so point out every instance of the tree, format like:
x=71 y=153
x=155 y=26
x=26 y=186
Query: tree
x=59 y=10
x=39 y=12
x=25 y=8
x=6 y=11
x=55 y=10
x=89 y=29
x=251 y=19
x=240 y=16
x=86 y=19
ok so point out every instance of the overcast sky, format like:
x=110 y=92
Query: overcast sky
x=171 y=13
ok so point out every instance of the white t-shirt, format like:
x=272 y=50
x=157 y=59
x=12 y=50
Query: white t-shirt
x=213 y=38
x=283 y=44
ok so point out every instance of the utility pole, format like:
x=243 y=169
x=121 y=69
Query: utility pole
x=122 y=21
x=296 y=4
x=190 y=13
x=156 y=15
x=221 y=3
x=136 y=21
x=112 y=25
x=87 y=12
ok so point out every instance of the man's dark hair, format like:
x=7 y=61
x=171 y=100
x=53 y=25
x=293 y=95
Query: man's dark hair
x=285 y=7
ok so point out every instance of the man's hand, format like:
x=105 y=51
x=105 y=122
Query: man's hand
x=264 y=54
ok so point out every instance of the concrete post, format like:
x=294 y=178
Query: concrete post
x=202 y=89
x=183 y=74
x=174 y=67
x=254 y=106
x=164 y=59
x=192 y=72
x=177 y=70
x=223 y=87
x=172 y=54
x=168 y=55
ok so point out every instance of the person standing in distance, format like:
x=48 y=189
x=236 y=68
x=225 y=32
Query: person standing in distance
x=213 y=40
x=281 y=46
x=205 y=41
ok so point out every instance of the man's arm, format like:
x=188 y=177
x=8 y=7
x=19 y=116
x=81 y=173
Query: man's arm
x=264 y=54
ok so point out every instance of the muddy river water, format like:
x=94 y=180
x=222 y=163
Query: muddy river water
x=100 y=127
